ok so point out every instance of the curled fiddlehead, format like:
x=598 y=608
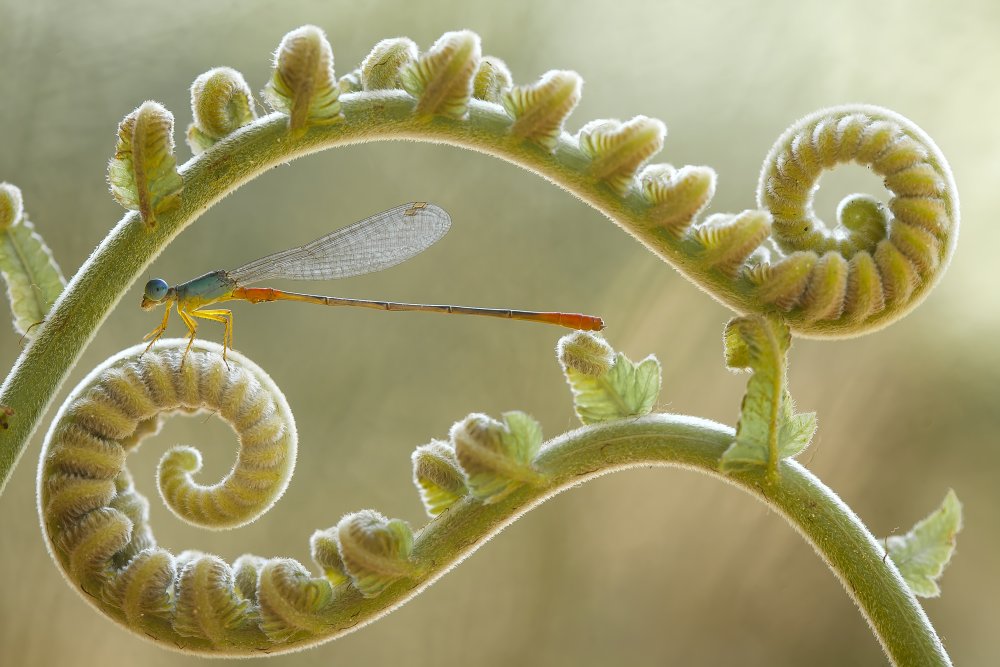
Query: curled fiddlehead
x=868 y=271
x=483 y=477
x=221 y=102
x=97 y=523
x=877 y=263
x=755 y=261
x=870 y=268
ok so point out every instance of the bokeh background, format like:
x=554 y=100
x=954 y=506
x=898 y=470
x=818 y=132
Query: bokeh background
x=646 y=567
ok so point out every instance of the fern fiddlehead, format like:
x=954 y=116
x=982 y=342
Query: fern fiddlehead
x=481 y=479
x=97 y=523
x=876 y=264
x=451 y=94
x=871 y=269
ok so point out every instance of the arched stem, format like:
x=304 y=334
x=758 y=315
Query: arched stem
x=834 y=531
x=367 y=116
x=129 y=249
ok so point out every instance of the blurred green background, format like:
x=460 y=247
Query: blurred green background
x=645 y=567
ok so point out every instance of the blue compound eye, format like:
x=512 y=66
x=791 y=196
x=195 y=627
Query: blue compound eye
x=156 y=289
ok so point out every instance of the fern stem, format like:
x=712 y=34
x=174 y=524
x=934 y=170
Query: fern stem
x=565 y=462
x=123 y=256
x=130 y=248
x=267 y=142
x=831 y=527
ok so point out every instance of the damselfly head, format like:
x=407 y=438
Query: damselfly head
x=156 y=291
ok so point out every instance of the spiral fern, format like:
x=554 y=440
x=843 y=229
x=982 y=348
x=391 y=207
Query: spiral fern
x=876 y=263
x=482 y=478
x=777 y=263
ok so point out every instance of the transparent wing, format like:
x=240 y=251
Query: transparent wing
x=383 y=240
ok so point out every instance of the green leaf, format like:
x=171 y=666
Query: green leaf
x=491 y=80
x=380 y=68
x=922 y=554
x=796 y=432
x=522 y=437
x=31 y=273
x=375 y=550
x=769 y=429
x=625 y=390
x=497 y=457
x=143 y=173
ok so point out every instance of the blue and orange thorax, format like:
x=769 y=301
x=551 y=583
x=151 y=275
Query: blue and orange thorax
x=210 y=288
x=206 y=289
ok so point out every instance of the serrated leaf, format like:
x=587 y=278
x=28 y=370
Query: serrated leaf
x=496 y=457
x=31 y=273
x=625 y=390
x=922 y=554
x=796 y=433
x=768 y=429
x=436 y=499
x=795 y=430
x=143 y=173
x=522 y=437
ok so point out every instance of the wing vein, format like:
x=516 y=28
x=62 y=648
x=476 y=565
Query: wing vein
x=373 y=244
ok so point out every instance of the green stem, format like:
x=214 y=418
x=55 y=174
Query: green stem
x=835 y=532
x=129 y=249
x=831 y=527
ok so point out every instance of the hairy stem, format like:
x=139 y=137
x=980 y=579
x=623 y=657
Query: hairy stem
x=129 y=249
x=830 y=526
x=267 y=142
x=835 y=532
x=873 y=268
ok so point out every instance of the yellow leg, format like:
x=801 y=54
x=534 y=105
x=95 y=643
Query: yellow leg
x=224 y=316
x=155 y=334
x=192 y=330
